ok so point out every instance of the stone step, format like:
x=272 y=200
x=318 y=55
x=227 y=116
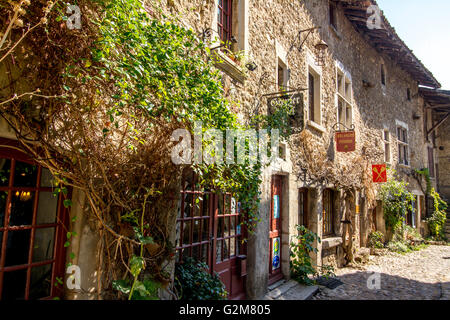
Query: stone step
x=290 y=290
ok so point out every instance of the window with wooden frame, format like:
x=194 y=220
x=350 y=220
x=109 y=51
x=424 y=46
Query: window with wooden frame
x=431 y=162
x=328 y=213
x=314 y=96
x=282 y=75
x=402 y=142
x=387 y=145
x=208 y=224
x=224 y=20
x=32 y=230
x=344 y=97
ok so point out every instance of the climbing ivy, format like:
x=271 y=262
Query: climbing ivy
x=436 y=222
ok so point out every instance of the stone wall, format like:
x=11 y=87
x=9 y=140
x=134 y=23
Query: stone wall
x=268 y=32
x=443 y=157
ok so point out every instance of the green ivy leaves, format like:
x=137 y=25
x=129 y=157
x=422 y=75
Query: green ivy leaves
x=136 y=265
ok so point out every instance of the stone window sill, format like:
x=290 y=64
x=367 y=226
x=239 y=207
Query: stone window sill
x=230 y=67
x=316 y=126
x=331 y=242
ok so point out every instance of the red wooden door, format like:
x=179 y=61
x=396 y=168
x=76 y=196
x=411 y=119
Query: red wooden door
x=275 y=231
x=227 y=247
x=209 y=230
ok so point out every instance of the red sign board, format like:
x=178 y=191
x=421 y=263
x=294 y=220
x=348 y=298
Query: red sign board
x=345 y=141
x=379 y=173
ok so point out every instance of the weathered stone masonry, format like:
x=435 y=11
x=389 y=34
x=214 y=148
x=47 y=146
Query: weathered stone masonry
x=266 y=31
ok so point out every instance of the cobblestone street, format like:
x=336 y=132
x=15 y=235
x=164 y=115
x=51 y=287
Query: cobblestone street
x=419 y=275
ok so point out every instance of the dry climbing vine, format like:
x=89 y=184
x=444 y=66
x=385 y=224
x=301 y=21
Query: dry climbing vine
x=97 y=106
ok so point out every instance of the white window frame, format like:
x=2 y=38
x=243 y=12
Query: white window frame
x=344 y=97
x=316 y=72
x=386 y=137
x=282 y=62
x=401 y=143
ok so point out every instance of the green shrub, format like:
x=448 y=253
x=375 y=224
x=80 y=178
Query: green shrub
x=397 y=201
x=376 y=240
x=194 y=282
x=412 y=234
x=301 y=263
x=399 y=247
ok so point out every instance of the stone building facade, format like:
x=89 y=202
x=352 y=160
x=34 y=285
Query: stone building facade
x=359 y=84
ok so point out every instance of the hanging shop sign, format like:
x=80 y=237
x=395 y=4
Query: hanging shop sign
x=275 y=253
x=379 y=173
x=345 y=141
x=296 y=99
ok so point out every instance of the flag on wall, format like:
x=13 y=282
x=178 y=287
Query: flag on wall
x=379 y=173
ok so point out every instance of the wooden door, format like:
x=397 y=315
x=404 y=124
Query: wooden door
x=227 y=247
x=209 y=230
x=275 y=231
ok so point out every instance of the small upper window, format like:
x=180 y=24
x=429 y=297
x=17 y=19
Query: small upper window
x=383 y=75
x=282 y=76
x=344 y=93
x=333 y=15
x=387 y=146
x=408 y=94
x=314 y=96
x=402 y=142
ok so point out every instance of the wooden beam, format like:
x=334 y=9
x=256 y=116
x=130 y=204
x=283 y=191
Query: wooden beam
x=437 y=125
x=438 y=106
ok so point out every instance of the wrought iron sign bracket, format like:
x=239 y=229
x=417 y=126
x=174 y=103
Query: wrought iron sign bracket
x=352 y=127
x=299 y=38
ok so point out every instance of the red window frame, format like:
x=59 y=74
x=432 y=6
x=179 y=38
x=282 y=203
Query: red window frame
x=211 y=211
x=9 y=150
x=224 y=21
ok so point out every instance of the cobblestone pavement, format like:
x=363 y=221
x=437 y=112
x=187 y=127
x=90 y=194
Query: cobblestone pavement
x=419 y=275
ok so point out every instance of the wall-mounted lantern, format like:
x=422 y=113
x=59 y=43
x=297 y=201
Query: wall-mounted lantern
x=320 y=49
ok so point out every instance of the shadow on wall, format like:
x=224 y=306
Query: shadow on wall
x=368 y=285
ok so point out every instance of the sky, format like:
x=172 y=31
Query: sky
x=424 y=26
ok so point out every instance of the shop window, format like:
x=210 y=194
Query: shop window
x=31 y=230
